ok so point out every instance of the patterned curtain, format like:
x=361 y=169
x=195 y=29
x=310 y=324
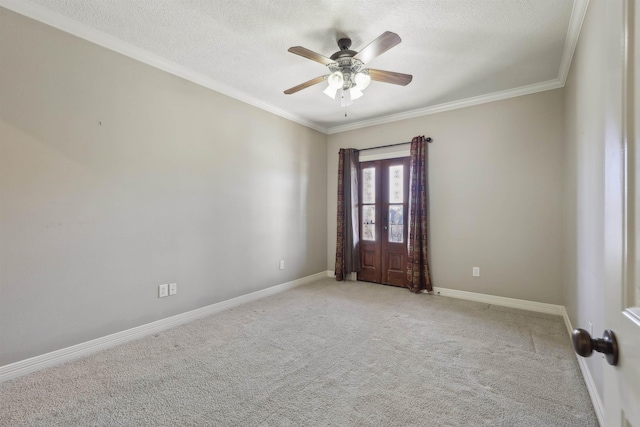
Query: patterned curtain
x=418 y=274
x=348 y=241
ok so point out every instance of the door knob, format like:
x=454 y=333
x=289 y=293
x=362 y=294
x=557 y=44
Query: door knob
x=584 y=345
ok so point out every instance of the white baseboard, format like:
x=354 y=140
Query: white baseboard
x=588 y=379
x=57 y=357
x=539 y=307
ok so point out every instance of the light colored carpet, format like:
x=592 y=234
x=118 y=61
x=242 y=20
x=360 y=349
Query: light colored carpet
x=328 y=353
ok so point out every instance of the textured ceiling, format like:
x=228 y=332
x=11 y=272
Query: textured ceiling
x=456 y=50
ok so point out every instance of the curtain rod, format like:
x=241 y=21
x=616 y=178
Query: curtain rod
x=392 y=145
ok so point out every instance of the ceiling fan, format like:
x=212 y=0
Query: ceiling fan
x=346 y=66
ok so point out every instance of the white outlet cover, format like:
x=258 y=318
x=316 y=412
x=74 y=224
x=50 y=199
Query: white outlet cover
x=163 y=291
x=281 y=265
x=476 y=271
x=173 y=288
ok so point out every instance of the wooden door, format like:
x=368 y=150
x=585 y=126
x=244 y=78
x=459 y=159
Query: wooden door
x=384 y=194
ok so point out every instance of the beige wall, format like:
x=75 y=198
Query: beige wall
x=584 y=178
x=496 y=183
x=116 y=177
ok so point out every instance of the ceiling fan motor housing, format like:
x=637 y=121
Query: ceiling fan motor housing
x=344 y=52
x=344 y=43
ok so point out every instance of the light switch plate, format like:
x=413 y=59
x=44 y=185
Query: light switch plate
x=173 y=288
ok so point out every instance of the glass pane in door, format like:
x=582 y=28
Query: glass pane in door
x=369 y=185
x=396 y=223
x=395 y=184
x=369 y=222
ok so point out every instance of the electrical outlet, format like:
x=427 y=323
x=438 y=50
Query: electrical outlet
x=173 y=288
x=163 y=291
x=282 y=265
x=476 y=271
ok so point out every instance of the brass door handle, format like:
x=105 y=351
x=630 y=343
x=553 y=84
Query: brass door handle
x=584 y=345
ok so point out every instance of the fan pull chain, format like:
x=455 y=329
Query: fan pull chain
x=344 y=102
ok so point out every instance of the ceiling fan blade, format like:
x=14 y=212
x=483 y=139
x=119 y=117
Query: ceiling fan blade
x=379 y=46
x=309 y=54
x=390 y=77
x=305 y=85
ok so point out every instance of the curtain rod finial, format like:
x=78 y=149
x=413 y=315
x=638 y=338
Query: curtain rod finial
x=429 y=139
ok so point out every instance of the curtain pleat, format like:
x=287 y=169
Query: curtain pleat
x=347 y=241
x=418 y=274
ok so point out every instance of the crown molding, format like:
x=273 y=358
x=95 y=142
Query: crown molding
x=99 y=38
x=578 y=13
x=92 y=35
x=454 y=105
x=573 y=32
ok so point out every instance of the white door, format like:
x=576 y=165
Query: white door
x=622 y=211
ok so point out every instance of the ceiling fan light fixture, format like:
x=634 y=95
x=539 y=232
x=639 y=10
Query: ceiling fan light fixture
x=362 y=79
x=355 y=92
x=331 y=91
x=335 y=79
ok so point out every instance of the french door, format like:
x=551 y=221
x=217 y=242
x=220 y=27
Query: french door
x=384 y=196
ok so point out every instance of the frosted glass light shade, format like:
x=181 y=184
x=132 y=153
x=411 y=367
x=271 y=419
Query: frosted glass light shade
x=335 y=81
x=355 y=92
x=362 y=80
x=331 y=91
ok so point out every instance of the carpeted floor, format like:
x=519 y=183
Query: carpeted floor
x=328 y=353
